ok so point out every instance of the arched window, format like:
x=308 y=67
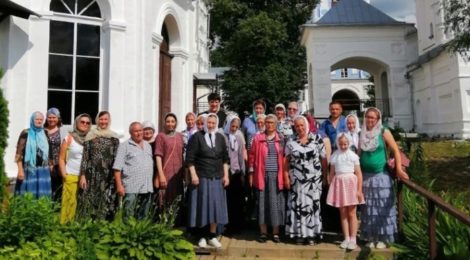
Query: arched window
x=74 y=58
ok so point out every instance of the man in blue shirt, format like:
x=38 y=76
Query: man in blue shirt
x=335 y=124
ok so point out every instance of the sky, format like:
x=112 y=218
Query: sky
x=402 y=10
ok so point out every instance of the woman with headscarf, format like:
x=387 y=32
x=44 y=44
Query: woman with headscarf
x=249 y=126
x=32 y=156
x=97 y=196
x=305 y=164
x=53 y=127
x=353 y=130
x=236 y=153
x=267 y=176
x=378 y=215
x=208 y=163
x=169 y=157
x=70 y=158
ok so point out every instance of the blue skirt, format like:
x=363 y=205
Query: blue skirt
x=207 y=203
x=37 y=181
x=379 y=214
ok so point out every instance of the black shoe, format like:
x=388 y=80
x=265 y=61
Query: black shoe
x=262 y=238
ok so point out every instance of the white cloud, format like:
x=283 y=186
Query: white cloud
x=402 y=10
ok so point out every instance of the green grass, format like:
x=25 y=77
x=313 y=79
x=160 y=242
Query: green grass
x=448 y=162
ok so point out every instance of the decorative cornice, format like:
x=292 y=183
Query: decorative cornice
x=179 y=52
x=115 y=25
x=157 y=38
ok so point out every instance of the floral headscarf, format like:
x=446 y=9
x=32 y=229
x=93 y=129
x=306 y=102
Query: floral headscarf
x=369 y=139
x=101 y=132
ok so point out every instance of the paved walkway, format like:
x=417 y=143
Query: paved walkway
x=245 y=246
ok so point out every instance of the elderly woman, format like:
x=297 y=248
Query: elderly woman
x=32 y=155
x=266 y=167
x=169 y=156
x=305 y=164
x=70 y=158
x=56 y=135
x=208 y=163
x=237 y=153
x=378 y=215
x=249 y=126
x=97 y=196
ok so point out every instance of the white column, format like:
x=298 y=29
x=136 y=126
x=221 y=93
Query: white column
x=181 y=84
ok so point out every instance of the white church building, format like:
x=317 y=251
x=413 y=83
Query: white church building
x=419 y=84
x=136 y=59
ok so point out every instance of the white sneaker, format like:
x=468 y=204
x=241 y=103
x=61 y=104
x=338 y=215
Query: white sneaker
x=202 y=243
x=351 y=245
x=215 y=243
x=370 y=245
x=381 y=245
x=344 y=244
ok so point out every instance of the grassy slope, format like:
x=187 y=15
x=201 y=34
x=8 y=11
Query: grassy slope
x=449 y=163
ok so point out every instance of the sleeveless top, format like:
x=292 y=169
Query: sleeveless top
x=374 y=161
x=74 y=158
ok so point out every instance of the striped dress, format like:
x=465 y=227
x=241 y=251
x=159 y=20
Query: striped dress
x=271 y=201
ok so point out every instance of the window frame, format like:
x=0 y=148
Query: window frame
x=76 y=20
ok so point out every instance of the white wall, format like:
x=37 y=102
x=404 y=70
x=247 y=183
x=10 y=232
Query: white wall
x=130 y=61
x=374 y=49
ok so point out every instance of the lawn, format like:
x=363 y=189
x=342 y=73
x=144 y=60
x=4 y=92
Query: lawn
x=448 y=162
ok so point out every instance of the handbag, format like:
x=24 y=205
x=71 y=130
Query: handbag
x=405 y=163
x=391 y=165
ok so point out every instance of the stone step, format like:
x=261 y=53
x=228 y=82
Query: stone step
x=245 y=246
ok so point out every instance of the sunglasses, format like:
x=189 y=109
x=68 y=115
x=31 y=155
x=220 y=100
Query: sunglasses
x=85 y=122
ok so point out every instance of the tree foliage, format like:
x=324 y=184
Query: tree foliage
x=457 y=20
x=259 y=41
x=3 y=142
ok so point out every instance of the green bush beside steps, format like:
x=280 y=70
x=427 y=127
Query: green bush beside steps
x=30 y=229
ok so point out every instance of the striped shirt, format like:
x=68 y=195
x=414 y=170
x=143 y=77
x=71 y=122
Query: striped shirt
x=271 y=159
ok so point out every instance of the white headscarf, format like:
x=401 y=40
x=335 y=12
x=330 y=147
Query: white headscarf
x=212 y=132
x=307 y=125
x=369 y=139
x=231 y=136
x=354 y=134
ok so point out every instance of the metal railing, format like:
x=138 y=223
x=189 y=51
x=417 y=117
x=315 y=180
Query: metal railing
x=433 y=201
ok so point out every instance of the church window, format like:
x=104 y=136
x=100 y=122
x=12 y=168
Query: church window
x=74 y=58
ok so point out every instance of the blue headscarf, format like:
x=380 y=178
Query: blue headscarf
x=36 y=143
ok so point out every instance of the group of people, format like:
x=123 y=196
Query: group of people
x=279 y=163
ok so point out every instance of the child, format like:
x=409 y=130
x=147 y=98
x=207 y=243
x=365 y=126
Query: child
x=346 y=188
x=352 y=123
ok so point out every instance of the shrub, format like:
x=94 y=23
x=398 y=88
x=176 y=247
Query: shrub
x=453 y=237
x=3 y=144
x=27 y=218
x=30 y=229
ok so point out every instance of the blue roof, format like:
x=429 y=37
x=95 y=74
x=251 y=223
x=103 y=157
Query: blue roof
x=356 y=12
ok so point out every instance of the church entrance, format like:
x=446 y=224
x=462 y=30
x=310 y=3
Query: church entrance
x=165 y=79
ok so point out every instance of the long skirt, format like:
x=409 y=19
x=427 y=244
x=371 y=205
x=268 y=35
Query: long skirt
x=207 y=203
x=69 y=198
x=271 y=202
x=303 y=203
x=37 y=181
x=378 y=215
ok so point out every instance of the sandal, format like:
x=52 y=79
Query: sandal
x=262 y=238
x=276 y=238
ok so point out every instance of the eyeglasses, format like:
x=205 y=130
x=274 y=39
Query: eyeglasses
x=85 y=122
x=292 y=108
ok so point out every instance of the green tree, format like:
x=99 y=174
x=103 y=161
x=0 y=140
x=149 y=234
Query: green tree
x=457 y=21
x=259 y=41
x=3 y=142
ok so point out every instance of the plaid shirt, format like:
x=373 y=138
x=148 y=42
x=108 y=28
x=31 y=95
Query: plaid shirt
x=136 y=166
